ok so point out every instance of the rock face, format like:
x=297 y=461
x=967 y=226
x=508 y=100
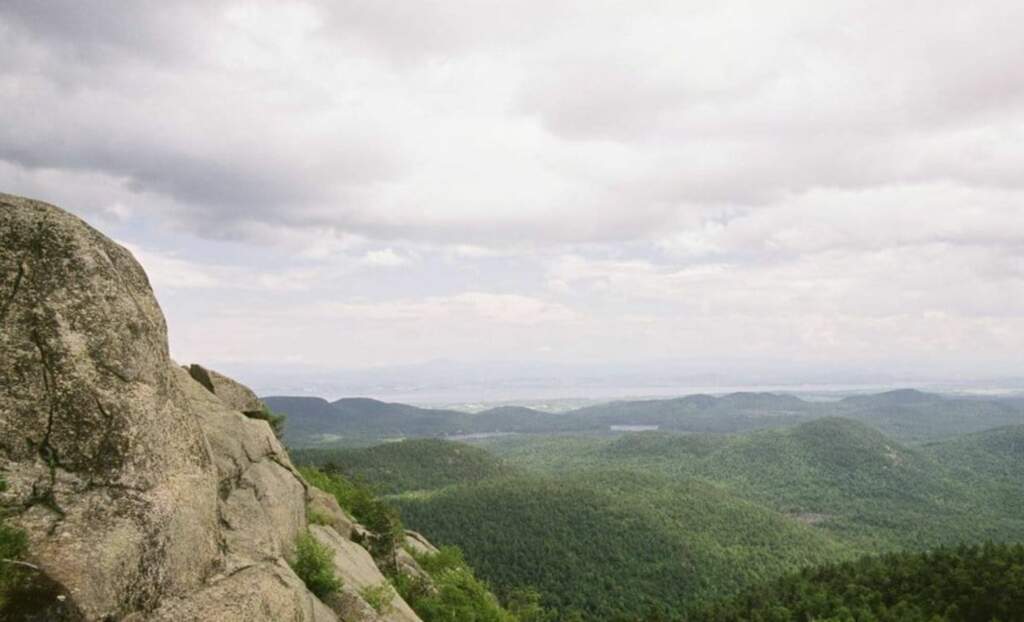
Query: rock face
x=236 y=396
x=145 y=491
x=358 y=572
x=112 y=472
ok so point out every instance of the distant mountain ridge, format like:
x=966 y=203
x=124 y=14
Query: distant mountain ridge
x=907 y=414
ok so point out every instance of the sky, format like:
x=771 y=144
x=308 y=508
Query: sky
x=827 y=187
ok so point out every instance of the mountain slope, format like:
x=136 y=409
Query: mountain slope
x=415 y=464
x=840 y=475
x=596 y=545
x=972 y=584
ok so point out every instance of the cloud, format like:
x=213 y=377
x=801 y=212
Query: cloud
x=566 y=125
x=613 y=181
x=384 y=258
x=169 y=272
x=475 y=306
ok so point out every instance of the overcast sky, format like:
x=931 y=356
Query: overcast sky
x=372 y=182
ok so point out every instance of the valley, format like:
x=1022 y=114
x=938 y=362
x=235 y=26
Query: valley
x=728 y=495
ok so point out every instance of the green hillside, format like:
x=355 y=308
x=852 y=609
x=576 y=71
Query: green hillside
x=967 y=584
x=614 y=543
x=645 y=524
x=841 y=476
x=850 y=479
x=990 y=461
x=418 y=464
x=913 y=416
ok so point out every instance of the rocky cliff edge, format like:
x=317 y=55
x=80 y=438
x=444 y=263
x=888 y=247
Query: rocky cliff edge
x=145 y=491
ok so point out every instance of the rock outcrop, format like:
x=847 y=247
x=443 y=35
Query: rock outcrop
x=145 y=491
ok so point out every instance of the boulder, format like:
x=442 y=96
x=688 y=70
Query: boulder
x=109 y=472
x=351 y=607
x=408 y=565
x=144 y=494
x=264 y=592
x=262 y=497
x=419 y=544
x=235 y=395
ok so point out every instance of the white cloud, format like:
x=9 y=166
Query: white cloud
x=384 y=258
x=823 y=181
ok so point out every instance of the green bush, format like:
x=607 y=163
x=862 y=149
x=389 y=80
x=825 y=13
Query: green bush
x=314 y=564
x=457 y=594
x=380 y=597
x=313 y=517
x=380 y=519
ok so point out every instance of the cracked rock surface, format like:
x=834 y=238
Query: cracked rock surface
x=144 y=494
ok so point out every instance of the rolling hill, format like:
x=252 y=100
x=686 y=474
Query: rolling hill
x=595 y=545
x=907 y=415
x=415 y=464
x=840 y=475
x=970 y=584
x=649 y=523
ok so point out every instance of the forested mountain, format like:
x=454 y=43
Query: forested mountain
x=915 y=416
x=615 y=543
x=906 y=415
x=966 y=584
x=644 y=523
x=845 y=477
x=415 y=464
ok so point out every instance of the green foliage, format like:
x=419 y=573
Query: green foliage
x=457 y=595
x=524 y=604
x=848 y=480
x=640 y=525
x=969 y=584
x=422 y=464
x=276 y=420
x=314 y=564
x=380 y=597
x=314 y=517
x=380 y=519
x=454 y=594
x=614 y=543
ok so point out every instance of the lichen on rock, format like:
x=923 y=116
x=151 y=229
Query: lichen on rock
x=148 y=491
x=133 y=491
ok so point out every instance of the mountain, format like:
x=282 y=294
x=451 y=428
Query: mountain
x=840 y=475
x=992 y=460
x=727 y=511
x=134 y=489
x=907 y=415
x=915 y=416
x=595 y=546
x=416 y=464
x=973 y=584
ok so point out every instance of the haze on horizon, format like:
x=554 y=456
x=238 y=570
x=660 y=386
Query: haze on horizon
x=832 y=187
